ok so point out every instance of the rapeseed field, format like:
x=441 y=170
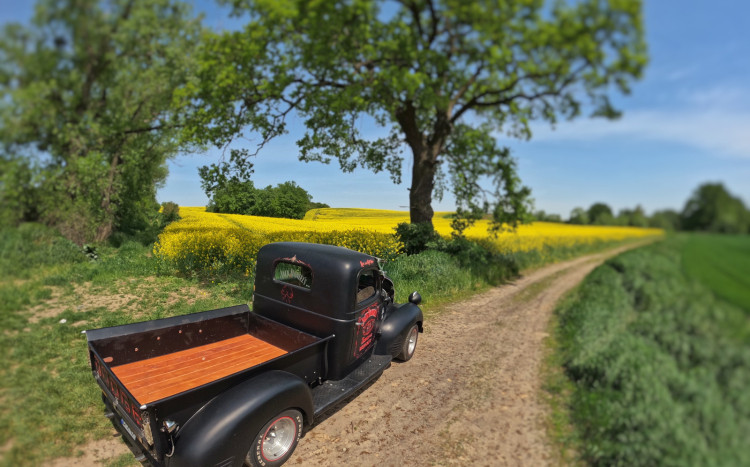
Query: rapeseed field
x=218 y=243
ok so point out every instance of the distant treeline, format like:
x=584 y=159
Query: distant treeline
x=710 y=208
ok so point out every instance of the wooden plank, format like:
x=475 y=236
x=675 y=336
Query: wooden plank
x=159 y=377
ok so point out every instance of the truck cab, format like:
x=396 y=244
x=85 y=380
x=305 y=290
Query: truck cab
x=326 y=290
x=234 y=386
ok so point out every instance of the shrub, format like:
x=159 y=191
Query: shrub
x=415 y=236
x=170 y=212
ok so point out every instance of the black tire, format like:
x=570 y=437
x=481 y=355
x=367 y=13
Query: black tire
x=275 y=442
x=409 y=345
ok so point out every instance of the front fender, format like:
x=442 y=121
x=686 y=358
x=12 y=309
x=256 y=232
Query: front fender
x=395 y=326
x=222 y=431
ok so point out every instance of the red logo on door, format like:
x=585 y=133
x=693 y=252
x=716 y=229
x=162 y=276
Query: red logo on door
x=365 y=329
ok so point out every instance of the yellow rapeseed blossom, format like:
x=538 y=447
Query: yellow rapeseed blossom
x=216 y=243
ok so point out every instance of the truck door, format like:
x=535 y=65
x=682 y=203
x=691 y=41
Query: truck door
x=367 y=312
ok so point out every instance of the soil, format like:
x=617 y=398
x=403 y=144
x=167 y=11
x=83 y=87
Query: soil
x=470 y=396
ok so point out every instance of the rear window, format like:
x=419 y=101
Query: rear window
x=294 y=274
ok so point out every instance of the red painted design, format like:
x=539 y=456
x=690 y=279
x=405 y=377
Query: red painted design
x=125 y=402
x=365 y=334
x=366 y=263
x=287 y=294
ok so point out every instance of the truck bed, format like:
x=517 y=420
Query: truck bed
x=166 y=375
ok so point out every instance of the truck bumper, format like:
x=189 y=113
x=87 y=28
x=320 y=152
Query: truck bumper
x=141 y=455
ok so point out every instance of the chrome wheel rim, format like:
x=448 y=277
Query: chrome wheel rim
x=412 y=341
x=278 y=439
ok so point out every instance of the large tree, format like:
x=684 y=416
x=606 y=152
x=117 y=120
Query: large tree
x=443 y=80
x=86 y=114
x=600 y=214
x=712 y=208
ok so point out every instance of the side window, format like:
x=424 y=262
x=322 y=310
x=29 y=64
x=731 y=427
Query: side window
x=366 y=286
x=294 y=274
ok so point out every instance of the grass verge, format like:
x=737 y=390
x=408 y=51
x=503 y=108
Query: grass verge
x=650 y=366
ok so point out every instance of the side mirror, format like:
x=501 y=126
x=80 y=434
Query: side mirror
x=415 y=298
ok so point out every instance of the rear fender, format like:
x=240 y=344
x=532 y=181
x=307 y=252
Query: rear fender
x=223 y=431
x=395 y=326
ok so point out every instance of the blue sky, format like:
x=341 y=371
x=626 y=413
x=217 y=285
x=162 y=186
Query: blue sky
x=686 y=122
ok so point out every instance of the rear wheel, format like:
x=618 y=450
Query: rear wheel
x=276 y=441
x=410 y=344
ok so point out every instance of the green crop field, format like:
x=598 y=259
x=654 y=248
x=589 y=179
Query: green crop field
x=655 y=347
x=722 y=263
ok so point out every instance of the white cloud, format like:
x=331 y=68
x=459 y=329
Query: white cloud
x=722 y=133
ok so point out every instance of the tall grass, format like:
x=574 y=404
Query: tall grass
x=660 y=365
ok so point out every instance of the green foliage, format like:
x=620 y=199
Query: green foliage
x=660 y=366
x=86 y=117
x=170 y=212
x=230 y=190
x=33 y=245
x=720 y=262
x=600 y=214
x=632 y=217
x=579 y=216
x=286 y=199
x=436 y=275
x=667 y=219
x=415 y=237
x=712 y=208
x=542 y=216
x=482 y=259
x=441 y=77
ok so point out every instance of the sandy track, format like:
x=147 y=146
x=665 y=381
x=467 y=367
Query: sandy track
x=469 y=396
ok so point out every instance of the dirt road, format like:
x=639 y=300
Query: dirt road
x=470 y=395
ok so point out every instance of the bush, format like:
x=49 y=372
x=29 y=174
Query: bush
x=415 y=236
x=170 y=212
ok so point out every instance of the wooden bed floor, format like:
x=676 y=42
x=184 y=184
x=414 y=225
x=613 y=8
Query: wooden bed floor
x=159 y=377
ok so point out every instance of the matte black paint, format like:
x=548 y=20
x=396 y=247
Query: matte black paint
x=398 y=320
x=227 y=425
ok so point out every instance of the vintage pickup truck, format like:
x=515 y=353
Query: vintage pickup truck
x=231 y=386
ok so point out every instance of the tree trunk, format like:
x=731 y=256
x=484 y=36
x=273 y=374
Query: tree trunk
x=422 y=184
x=107 y=225
x=425 y=150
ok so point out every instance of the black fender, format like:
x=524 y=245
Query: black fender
x=394 y=327
x=223 y=431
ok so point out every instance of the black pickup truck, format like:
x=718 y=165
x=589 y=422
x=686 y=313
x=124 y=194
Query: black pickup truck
x=231 y=386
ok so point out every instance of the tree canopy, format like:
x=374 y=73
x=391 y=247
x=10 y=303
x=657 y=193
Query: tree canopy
x=600 y=214
x=230 y=190
x=712 y=208
x=441 y=79
x=86 y=115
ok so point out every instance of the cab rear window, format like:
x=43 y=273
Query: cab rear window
x=294 y=274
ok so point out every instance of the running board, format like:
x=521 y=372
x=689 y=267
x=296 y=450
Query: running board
x=330 y=392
